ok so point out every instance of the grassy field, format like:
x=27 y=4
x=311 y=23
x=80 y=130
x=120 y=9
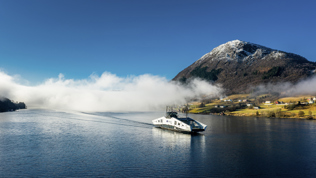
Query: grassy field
x=237 y=96
x=295 y=99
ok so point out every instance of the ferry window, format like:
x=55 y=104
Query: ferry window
x=179 y=123
x=175 y=122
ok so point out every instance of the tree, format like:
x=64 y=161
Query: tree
x=291 y=106
x=202 y=105
x=275 y=71
x=301 y=113
x=278 y=113
x=310 y=115
x=8 y=105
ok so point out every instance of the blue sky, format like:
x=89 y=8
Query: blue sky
x=40 y=39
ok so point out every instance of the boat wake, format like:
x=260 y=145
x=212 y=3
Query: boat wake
x=128 y=119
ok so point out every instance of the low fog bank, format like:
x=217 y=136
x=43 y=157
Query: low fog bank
x=304 y=87
x=107 y=92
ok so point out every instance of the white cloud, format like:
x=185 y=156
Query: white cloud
x=107 y=92
x=303 y=87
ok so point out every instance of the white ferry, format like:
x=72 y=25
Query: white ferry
x=172 y=122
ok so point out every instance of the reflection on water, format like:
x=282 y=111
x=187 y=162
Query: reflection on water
x=183 y=140
x=45 y=143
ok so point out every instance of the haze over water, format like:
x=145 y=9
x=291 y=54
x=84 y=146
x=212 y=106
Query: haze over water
x=47 y=143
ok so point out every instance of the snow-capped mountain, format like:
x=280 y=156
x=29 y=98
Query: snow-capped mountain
x=238 y=65
x=241 y=51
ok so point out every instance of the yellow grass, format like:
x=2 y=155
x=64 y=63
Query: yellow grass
x=212 y=104
x=237 y=96
x=195 y=103
x=295 y=99
x=245 y=111
x=251 y=112
x=264 y=95
x=197 y=110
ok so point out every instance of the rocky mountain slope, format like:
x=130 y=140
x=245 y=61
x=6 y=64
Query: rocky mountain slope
x=239 y=66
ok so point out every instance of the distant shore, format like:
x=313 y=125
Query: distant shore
x=260 y=116
x=6 y=105
x=265 y=105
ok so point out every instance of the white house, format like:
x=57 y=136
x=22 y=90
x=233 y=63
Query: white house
x=268 y=102
x=249 y=104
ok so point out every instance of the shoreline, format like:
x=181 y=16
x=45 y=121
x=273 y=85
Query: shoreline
x=245 y=115
x=265 y=105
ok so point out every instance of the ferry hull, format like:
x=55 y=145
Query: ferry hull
x=187 y=125
x=168 y=127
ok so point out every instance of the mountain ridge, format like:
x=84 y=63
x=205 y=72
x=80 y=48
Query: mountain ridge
x=239 y=66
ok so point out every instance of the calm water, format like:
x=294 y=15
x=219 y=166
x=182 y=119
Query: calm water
x=45 y=143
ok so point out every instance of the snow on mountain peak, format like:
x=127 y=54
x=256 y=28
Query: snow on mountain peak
x=235 y=43
x=236 y=50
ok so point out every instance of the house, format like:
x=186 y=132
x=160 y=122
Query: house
x=249 y=104
x=257 y=107
x=222 y=106
x=229 y=100
x=277 y=102
x=216 y=106
x=268 y=102
x=245 y=100
x=239 y=100
x=311 y=102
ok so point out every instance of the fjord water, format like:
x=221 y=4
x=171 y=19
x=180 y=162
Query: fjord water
x=47 y=143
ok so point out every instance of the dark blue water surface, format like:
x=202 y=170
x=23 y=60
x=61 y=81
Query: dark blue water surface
x=46 y=143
